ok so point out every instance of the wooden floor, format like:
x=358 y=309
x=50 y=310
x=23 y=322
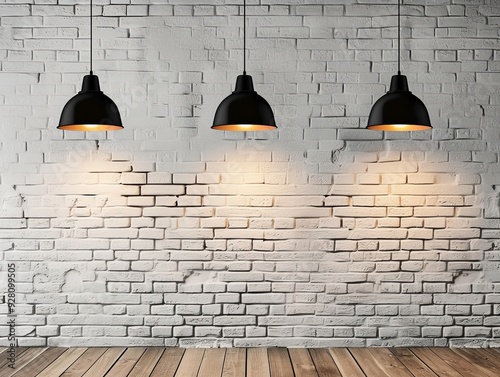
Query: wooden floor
x=252 y=362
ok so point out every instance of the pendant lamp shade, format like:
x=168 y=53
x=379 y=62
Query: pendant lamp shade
x=399 y=109
x=244 y=109
x=90 y=109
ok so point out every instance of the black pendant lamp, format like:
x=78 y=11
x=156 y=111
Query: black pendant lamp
x=399 y=109
x=90 y=109
x=244 y=109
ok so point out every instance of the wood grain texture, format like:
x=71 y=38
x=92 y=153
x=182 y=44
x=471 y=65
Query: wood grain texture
x=235 y=362
x=147 y=362
x=258 y=363
x=212 y=363
x=491 y=355
x=435 y=363
x=483 y=366
x=456 y=361
x=279 y=362
x=104 y=363
x=4 y=357
x=345 y=363
x=302 y=363
x=168 y=363
x=254 y=362
x=367 y=362
x=62 y=363
x=324 y=363
x=389 y=363
x=416 y=366
x=40 y=362
x=190 y=363
x=22 y=360
x=84 y=362
x=483 y=354
x=126 y=362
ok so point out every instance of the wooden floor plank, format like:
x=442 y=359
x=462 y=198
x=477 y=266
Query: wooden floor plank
x=62 y=363
x=348 y=367
x=456 y=361
x=279 y=363
x=367 y=362
x=483 y=366
x=491 y=355
x=324 y=363
x=19 y=350
x=435 y=363
x=23 y=360
x=212 y=362
x=168 y=363
x=484 y=354
x=4 y=357
x=389 y=363
x=258 y=363
x=84 y=362
x=147 y=362
x=235 y=362
x=126 y=362
x=302 y=362
x=40 y=362
x=105 y=362
x=254 y=362
x=190 y=363
x=416 y=366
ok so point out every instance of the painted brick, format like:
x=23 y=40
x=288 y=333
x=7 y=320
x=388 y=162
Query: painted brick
x=321 y=234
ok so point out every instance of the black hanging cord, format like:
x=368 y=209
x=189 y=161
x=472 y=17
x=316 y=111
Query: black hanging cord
x=399 y=37
x=244 y=37
x=91 y=38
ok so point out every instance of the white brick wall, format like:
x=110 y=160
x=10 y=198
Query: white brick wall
x=319 y=234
